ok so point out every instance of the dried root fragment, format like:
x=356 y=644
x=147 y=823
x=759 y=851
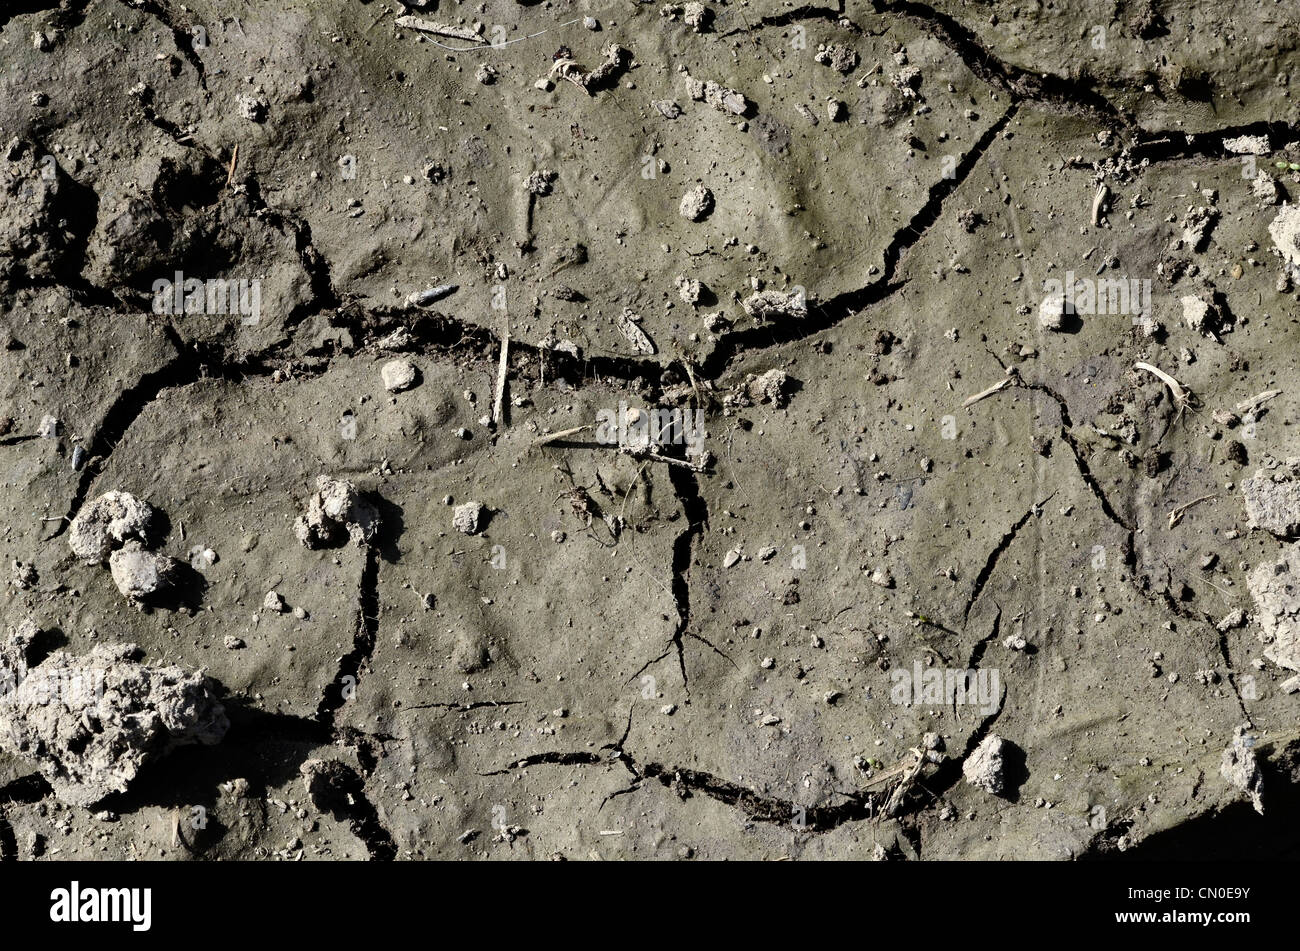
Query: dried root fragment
x=90 y=722
x=617 y=61
x=336 y=511
x=107 y=523
x=1183 y=397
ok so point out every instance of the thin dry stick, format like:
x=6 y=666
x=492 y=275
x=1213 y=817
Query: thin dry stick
x=985 y=394
x=501 y=378
x=658 y=457
x=234 y=162
x=1182 y=395
x=1256 y=401
x=1176 y=514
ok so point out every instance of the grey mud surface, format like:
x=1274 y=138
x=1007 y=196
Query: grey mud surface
x=615 y=665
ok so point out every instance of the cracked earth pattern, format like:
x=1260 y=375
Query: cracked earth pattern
x=657 y=655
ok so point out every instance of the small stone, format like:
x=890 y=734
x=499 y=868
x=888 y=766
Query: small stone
x=1240 y=767
x=985 y=768
x=139 y=574
x=696 y=204
x=398 y=375
x=1052 y=312
x=468 y=518
x=274 y=602
x=108 y=522
x=252 y=108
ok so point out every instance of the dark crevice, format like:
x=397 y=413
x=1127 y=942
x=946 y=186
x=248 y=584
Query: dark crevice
x=991 y=562
x=1067 y=95
x=1165 y=146
x=1080 y=459
x=688 y=782
x=696 y=512
x=341 y=791
x=126 y=409
x=181 y=35
x=63 y=15
x=822 y=316
x=363 y=641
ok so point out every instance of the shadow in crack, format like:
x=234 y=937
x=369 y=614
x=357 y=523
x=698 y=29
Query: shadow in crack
x=1237 y=831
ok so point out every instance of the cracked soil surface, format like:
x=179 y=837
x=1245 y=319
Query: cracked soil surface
x=693 y=650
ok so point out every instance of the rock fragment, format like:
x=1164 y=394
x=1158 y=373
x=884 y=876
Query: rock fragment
x=539 y=183
x=1052 y=312
x=768 y=305
x=1273 y=498
x=1275 y=587
x=1200 y=315
x=688 y=289
x=398 y=375
x=468 y=518
x=773 y=387
x=697 y=16
x=90 y=722
x=107 y=523
x=985 y=768
x=334 y=512
x=1248 y=145
x=722 y=98
x=696 y=204
x=1196 y=226
x=1240 y=767
x=1285 y=232
x=252 y=108
x=1264 y=188
x=629 y=324
x=140 y=574
x=840 y=58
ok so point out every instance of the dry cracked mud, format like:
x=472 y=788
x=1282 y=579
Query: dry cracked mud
x=728 y=430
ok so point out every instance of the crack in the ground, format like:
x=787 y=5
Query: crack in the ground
x=822 y=316
x=182 y=36
x=696 y=512
x=686 y=782
x=1128 y=552
x=336 y=693
x=25 y=790
x=1047 y=89
x=66 y=14
x=991 y=562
